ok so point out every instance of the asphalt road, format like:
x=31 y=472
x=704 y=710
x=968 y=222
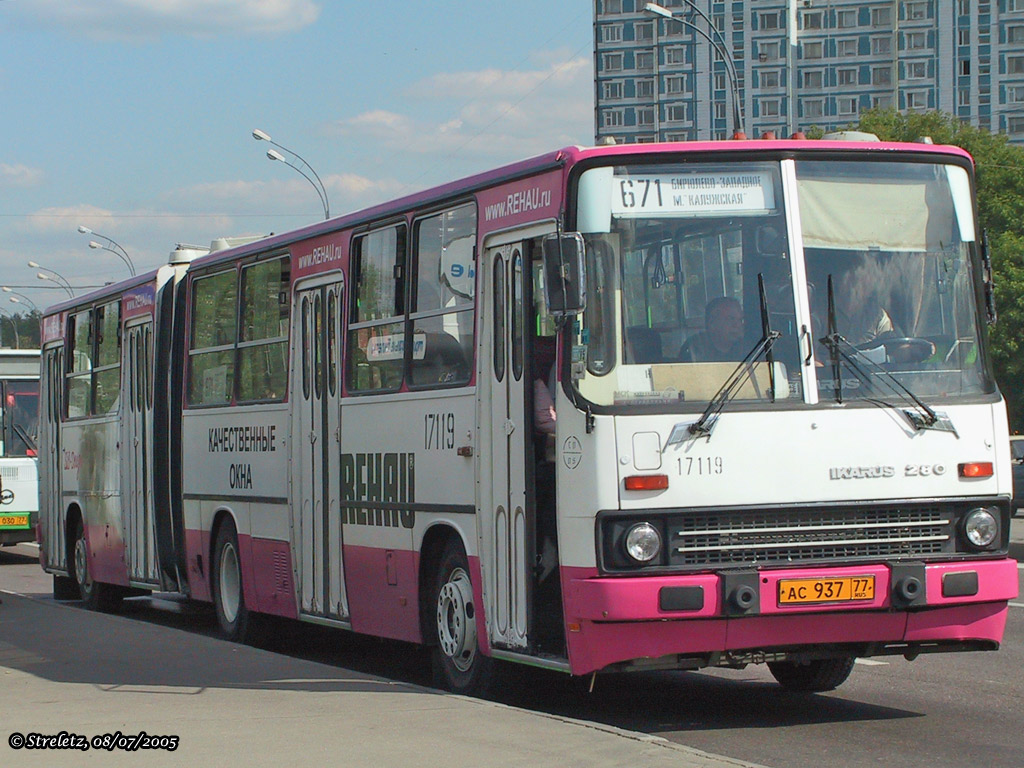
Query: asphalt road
x=951 y=710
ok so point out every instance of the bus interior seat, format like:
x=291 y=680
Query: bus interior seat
x=443 y=361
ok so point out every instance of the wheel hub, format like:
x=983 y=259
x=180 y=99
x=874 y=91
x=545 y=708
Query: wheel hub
x=456 y=626
x=82 y=565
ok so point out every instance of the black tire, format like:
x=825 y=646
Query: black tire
x=458 y=663
x=226 y=585
x=65 y=588
x=96 y=595
x=812 y=676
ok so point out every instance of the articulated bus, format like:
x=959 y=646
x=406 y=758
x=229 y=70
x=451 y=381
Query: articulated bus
x=19 y=415
x=617 y=408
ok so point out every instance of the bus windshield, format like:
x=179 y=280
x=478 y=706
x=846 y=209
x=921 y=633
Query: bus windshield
x=691 y=268
x=20 y=417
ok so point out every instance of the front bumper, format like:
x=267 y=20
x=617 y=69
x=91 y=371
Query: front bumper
x=698 y=618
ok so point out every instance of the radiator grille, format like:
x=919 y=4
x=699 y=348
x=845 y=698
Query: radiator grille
x=708 y=538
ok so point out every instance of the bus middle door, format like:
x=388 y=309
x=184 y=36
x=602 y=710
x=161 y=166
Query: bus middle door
x=137 y=512
x=315 y=445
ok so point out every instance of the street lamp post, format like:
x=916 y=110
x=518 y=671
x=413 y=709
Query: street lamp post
x=114 y=247
x=19 y=298
x=719 y=46
x=318 y=185
x=55 y=276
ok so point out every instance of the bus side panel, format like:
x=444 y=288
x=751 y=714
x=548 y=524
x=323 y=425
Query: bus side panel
x=92 y=475
x=233 y=459
x=382 y=592
x=197 y=557
x=402 y=452
x=273 y=585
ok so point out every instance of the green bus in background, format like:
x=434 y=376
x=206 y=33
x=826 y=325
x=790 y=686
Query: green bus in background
x=19 y=419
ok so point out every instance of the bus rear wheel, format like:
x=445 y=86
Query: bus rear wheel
x=96 y=595
x=459 y=666
x=812 y=676
x=228 y=594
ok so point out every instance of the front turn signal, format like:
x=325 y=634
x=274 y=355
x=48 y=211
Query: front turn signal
x=975 y=469
x=647 y=482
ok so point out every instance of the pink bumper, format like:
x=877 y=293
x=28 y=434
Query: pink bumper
x=613 y=620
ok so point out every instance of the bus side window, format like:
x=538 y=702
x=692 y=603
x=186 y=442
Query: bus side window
x=376 y=341
x=442 y=312
x=214 y=310
x=263 y=346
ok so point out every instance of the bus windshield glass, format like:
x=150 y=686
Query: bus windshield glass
x=692 y=267
x=20 y=417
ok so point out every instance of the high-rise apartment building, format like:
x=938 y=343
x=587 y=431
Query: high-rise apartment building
x=802 y=63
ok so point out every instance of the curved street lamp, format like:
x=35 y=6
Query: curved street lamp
x=114 y=247
x=55 y=276
x=19 y=298
x=719 y=47
x=318 y=185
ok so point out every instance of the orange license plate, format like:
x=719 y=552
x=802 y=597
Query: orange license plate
x=7 y=521
x=839 y=590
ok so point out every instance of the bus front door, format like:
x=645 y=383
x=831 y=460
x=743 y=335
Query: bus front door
x=137 y=510
x=505 y=529
x=317 y=544
x=51 y=507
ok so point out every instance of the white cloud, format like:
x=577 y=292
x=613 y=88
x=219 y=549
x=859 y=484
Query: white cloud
x=19 y=176
x=288 y=197
x=135 y=19
x=491 y=115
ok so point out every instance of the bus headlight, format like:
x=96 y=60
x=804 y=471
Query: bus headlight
x=643 y=542
x=981 y=527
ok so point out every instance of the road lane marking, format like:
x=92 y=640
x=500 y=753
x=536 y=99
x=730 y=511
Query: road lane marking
x=871 y=663
x=1016 y=605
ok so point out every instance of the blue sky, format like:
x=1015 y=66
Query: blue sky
x=134 y=117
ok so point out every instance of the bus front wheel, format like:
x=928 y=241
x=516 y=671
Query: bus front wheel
x=459 y=666
x=812 y=676
x=228 y=594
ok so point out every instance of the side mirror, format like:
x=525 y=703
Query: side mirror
x=989 y=283
x=565 y=276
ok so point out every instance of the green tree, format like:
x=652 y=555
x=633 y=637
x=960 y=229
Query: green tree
x=1000 y=186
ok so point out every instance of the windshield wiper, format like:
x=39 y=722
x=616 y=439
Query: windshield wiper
x=919 y=414
x=743 y=372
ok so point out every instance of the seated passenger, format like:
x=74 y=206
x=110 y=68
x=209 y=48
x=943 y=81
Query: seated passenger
x=722 y=337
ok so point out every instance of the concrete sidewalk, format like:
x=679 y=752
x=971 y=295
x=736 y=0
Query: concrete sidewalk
x=65 y=669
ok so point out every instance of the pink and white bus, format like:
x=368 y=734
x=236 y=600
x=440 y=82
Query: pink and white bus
x=619 y=408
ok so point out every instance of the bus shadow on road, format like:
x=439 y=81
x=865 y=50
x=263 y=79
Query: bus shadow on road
x=660 y=702
x=62 y=642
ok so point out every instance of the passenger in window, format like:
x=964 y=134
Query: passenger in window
x=544 y=417
x=722 y=337
x=544 y=422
